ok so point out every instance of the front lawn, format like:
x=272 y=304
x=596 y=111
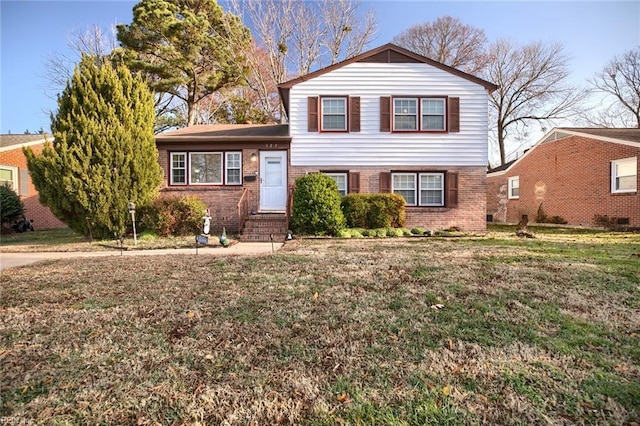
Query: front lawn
x=396 y=331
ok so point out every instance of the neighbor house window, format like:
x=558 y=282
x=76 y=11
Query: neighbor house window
x=334 y=114
x=341 y=181
x=9 y=177
x=233 y=167
x=205 y=168
x=433 y=117
x=624 y=175
x=178 y=168
x=514 y=187
x=405 y=185
x=431 y=189
x=405 y=114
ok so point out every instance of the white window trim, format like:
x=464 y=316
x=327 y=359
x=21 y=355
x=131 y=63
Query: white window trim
x=205 y=153
x=346 y=180
x=416 y=115
x=415 y=186
x=614 y=174
x=444 y=115
x=420 y=203
x=226 y=168
x=171 y=168
x=510 y=186
x=14 y=181
x=322 y=114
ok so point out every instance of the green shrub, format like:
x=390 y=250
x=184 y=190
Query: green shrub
x=380 y=232
x=406 y=232
x=368 y=232
x=374 y=210
x=344 y=233
x=394 y=232
x=173 y=216
x=316 y=206
x=417 y=231
x=11 y=206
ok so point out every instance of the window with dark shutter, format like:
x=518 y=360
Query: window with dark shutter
x=385 y=114
x=454 y=115
x=354 y=182
x=312 y=115
x=451 y=186
x=354 y=114
x=385 y=182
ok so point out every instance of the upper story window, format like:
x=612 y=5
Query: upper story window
x=405 y=114
x=433 y=114
x=514 y=187
x=624 y=175
x=341 y=182
x=9 y=177
x=334 y=114
x=205 y=168
x=419 y=114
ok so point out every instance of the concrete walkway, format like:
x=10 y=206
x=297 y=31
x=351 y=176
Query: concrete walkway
x=11 y=260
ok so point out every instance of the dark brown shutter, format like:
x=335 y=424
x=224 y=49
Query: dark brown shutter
x=385 y=114
x=354 y=114
x=312 y=108
x=354 y=183
x=451 y=186
x=454 y=115
x=385 y=182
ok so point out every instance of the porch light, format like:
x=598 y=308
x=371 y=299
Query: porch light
x=254 y=157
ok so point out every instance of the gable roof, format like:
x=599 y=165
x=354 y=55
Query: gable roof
x=388 y=53
x=9 y=142
x=227 y=133
x=629 y=137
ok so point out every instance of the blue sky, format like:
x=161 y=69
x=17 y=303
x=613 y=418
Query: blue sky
x=592 y=32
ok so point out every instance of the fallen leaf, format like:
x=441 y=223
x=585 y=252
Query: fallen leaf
x=191 y=314
x=315 y=296
x=343 y=397
x=437 y=306
x=446 y=391
x=208 y=356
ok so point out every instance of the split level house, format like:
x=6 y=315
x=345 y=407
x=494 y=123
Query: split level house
x=14 y=173
x=387 y=120
x=577 y=174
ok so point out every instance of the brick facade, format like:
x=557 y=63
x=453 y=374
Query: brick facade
x=41 y=215
x=468 y=216
x=570 y=178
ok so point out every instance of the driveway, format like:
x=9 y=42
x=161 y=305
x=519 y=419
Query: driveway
x=12 y=260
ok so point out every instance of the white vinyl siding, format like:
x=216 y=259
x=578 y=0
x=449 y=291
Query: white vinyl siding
x=624 y=175
x=514 y=187
x=370 y=147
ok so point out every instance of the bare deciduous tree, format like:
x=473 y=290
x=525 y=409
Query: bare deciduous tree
x=91 y=41
x=301 y=36
x=620 y=80
x=532 y=87
x=448 y=41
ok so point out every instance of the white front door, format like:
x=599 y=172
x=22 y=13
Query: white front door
x=273 y=181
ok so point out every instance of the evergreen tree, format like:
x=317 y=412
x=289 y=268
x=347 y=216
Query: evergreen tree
x=103 y=155
x=187 y=48
x=11 y=206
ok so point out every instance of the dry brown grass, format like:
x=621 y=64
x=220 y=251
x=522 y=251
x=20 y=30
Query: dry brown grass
x=329 y=332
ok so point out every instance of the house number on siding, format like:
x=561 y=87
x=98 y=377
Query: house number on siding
x=271 y=145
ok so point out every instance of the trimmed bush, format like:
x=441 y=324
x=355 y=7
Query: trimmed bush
x=173 y=216
x=11 y=206
x=374 y=210
x=316 y=206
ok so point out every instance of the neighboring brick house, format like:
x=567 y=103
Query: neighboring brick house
x=386 y=120
x=14 y=172
x=574 y=173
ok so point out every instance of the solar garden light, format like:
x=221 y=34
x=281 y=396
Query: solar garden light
x=132 y=210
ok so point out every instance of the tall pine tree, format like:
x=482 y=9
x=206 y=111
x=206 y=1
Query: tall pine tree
x=103 y=155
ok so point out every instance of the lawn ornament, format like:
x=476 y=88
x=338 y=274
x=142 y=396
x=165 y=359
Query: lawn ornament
x=207 y=222
x=224 y=241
